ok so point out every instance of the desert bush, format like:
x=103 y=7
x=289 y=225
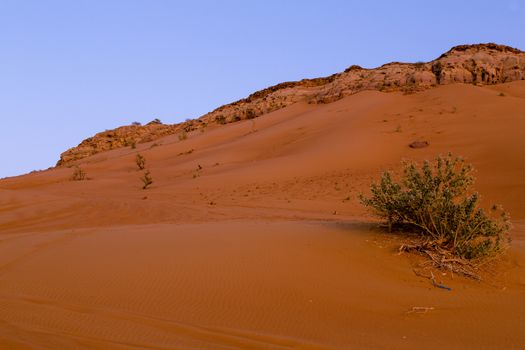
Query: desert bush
x=147 y=180
x=78 y=174
x=436 y=201
x=183 y=135
x=140 y=161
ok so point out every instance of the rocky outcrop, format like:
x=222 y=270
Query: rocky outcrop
x=471 y=64
x=123 y=136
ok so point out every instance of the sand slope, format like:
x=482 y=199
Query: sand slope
x=251 y=236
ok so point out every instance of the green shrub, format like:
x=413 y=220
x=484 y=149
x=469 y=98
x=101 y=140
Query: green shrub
x=436 y=201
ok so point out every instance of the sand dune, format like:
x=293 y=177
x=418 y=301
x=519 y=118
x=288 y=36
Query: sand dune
x=252 y=237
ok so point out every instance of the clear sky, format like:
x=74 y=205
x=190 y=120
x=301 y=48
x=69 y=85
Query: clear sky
x=69 y=69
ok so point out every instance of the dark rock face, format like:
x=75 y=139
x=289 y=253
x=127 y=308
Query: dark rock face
x=470 y=64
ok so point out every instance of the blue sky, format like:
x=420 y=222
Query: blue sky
x=69 y=69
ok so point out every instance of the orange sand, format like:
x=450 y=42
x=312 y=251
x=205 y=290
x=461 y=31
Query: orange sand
x=262 y=249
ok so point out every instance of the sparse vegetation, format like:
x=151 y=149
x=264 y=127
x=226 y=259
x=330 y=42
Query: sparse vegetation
x=140 y=161
x=133 y=144
x=136 y=124
x=436 y=202
x=198 y=171
x=183 y=135
x=147 y=180
x=501 y=94
x=78 y=174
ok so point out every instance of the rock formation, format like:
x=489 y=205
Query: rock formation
x=471 y=64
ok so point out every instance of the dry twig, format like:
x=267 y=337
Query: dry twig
x=443 y=259
x=420 y=309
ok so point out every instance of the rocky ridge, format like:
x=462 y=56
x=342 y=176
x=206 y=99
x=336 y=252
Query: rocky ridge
x=479 y=64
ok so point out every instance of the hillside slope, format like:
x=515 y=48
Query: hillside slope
x=331 y=150
x=480 y=64
x=252 y=237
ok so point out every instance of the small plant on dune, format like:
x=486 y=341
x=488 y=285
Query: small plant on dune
x=436 y=201
x=140 y=161
x=183 y=135
x=198 y=171
x=78 y=174
x=147 y=180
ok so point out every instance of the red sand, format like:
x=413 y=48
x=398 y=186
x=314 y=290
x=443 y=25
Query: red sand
x=260 y=248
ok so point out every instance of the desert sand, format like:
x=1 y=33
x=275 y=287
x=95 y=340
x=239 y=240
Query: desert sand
x=252 y=235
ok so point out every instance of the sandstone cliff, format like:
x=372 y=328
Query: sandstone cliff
x=470 y=64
